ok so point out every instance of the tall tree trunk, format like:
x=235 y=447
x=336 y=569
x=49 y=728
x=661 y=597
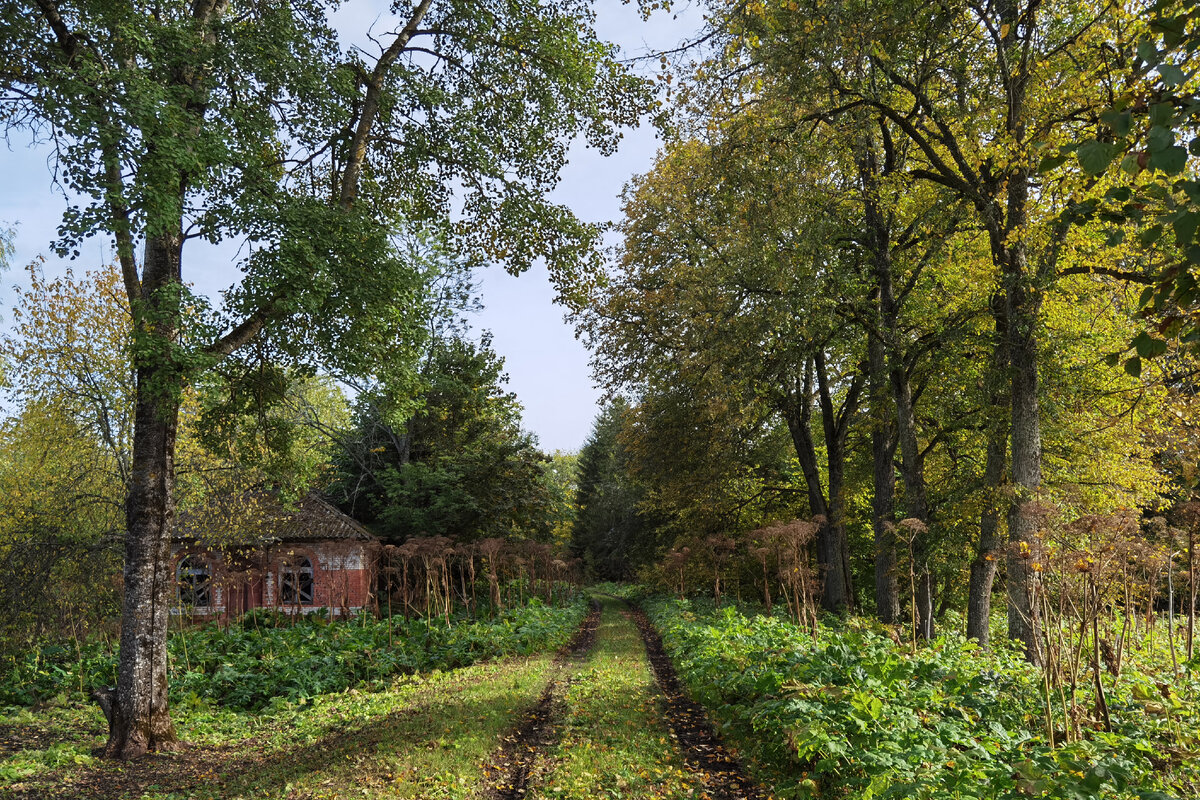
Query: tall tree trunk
x=799 y=420
x=990 y=545
x=1022 y=308
x=838 y=588
x=833 y=558
x=883 y=503
x=139 y=718
x=878 y=234
x=912 y=470
x=883 y=429
x=137 y=711
x=1023 y=305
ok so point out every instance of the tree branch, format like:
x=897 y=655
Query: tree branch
x=67 y=41
x=242 y=334
x=371 y=103
x=1132 y=277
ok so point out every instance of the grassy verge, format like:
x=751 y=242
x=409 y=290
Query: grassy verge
x=314 y=710
x=426 y=737
x=614 y=742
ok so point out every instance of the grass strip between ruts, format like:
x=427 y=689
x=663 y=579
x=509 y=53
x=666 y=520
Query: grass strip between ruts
x=614 y=742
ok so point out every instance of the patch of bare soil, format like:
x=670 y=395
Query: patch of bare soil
x=702 y=748
x=539 y=727
x=184 y=769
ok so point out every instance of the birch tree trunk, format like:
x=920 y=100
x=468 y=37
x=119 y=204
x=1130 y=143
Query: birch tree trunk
x=139 y=719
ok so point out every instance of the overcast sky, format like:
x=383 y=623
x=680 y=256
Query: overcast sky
x=547 y=366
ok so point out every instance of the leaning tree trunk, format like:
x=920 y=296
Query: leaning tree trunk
x=138 y=717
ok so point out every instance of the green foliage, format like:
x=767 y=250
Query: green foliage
x=269 y=658
x=1145 y=143
x=59 y=515
x=850 y=713
x=633 y=592
x=611 y=533
x=264 y=426
x=208 y=96
x=459 y=466
x=561 y=477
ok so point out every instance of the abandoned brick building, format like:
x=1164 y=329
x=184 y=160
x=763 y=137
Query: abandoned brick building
x=293 y=559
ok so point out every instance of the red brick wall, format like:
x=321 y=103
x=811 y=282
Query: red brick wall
x=343 y=576
x=342 y=572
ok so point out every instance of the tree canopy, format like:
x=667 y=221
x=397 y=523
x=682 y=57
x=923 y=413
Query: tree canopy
x=224 y=121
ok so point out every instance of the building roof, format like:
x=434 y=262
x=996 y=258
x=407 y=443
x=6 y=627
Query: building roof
x=260 y=518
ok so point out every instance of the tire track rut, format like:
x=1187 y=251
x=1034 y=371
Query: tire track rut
x=540 y=727
x=702 y=748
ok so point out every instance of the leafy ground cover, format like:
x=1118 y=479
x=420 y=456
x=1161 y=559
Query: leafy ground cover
x=427 y=736
x=852 y=714
x=844 y=713
x=424 y=735
x=269 y=658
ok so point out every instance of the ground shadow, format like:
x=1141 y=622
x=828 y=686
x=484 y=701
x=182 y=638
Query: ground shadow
x=257 y=767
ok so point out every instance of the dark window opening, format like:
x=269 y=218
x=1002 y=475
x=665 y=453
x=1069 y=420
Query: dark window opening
x=195 y=583
x=296 y=583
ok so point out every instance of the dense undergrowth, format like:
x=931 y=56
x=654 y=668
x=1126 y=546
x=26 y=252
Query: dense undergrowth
x=852 y=714
x=267 y=657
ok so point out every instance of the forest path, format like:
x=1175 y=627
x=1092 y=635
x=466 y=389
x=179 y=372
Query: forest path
x=724 y=777
x=605 y=728
x=524 y=750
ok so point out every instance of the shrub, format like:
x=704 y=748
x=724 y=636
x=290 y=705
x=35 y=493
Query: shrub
x=268 y=655
x=850 y=713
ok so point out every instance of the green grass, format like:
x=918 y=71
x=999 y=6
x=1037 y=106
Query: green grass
x=430 y=740
x=615 y=743
x=425 y=737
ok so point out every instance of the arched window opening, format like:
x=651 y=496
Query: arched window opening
x=296 y=583
x=195 y=583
